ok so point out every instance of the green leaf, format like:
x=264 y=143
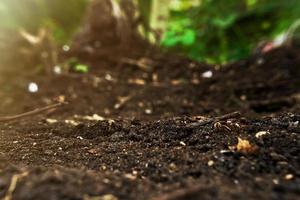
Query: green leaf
x=189 y=37
x=80 y=68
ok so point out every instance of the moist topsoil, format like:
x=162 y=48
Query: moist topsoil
x=150 y=125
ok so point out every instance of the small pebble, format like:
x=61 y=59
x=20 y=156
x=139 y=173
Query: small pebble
x=261 y=133
x=226 y=152
x=108 y=77
x=79 y=137
x=275 y=181
x=57 y=69
x=210 y=163
x=207 y=74
x=51 y=121
x=33 y=87
x=182 y=143
x=66 y=48
x=289 y=176
x=148 y=111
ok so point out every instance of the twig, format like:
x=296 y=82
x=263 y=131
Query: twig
x=143 y=63
x=210 y=120
x=30 y=113
x=13 y=185
x=228 y=116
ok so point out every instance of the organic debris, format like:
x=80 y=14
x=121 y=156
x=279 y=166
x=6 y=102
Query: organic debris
x=244 y=146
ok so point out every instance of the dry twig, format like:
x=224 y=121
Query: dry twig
x=215 y=119
x=144 y=63
x=31 y=113
x=13 y=185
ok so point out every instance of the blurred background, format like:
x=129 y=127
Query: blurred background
x=212 y=31
x=159 y=57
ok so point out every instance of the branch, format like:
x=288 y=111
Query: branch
x=210 y=120
x=30 y=113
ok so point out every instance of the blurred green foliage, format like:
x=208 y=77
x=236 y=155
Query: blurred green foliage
x=218 y=31
x=214 y=31
x=62 y=17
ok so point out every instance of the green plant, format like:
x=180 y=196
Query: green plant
x=221 y=31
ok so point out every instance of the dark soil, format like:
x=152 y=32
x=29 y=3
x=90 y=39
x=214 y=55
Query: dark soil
x=164 y=132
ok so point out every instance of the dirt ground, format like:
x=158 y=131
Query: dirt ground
x=150 y=125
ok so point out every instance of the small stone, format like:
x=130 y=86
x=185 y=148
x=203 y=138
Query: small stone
x=130 y=176
x=94 y=117
x=33 y=87
x=261 y=133
x=134 y=172
x=137 y=81
x=51 y=121
x=172 y=167
x=57 y=69
x=79 y=137
x=117 y=106
x=207 y=74
x=210 y=163
x=148 y=111
x=226 y=152
x=108 y=77
x=66 y=48
x=182 y=143
x=289 y=176
x=71 y=122
x=275 y=181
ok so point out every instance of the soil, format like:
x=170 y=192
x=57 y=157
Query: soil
x=143 y=124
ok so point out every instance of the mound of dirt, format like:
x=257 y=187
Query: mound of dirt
x=148 y=125
x=226 y=157
x=155 y=85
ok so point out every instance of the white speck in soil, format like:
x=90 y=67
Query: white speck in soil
x=207 y=74
x=57 y=69
x=33 y=87
x=66 y=48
